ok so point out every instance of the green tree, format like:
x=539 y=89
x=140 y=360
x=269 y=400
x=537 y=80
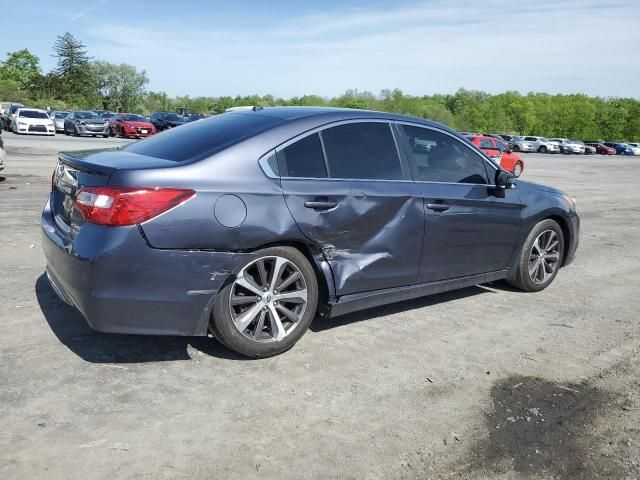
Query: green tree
x=21 y=67
x=74 y=70
x=119 y=87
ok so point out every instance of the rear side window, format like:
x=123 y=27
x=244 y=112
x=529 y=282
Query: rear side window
x=303 y=158
x=363 y=150
x=437 y=157
x=486 y=144
x=200 y=139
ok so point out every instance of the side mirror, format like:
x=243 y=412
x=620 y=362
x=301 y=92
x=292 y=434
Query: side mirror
x=505 y=179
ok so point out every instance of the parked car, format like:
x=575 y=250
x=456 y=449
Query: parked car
x=588 y=149
x=85 y=123
x=165 y=120
x=567 y=146
x=635 y=147
x=58 y=119
x=131 y=125
x=521 y=145
x=32 y=121
x=3 y=154
x=306 y=210
x=601 y=148
x=104 y=114
x=498 y=150
x=542 y=145
x=10 y=114
x=508 y=140
x=195 y=116
x=620 y=148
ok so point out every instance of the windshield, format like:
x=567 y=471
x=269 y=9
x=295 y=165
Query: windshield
x=133 y=118
x=172 y=117
x=33 y=114
x=87 y=116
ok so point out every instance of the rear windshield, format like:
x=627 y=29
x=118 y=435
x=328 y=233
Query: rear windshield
x=199 y=139
x=33 y=114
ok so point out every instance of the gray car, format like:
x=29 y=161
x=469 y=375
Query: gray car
x=85 y=123
x=521 y=145
x=58 y=118
x=251 y=224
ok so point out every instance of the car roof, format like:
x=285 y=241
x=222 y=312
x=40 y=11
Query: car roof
x=335 y=114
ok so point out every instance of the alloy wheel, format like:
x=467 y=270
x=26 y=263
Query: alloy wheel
x=517 y=169
x=544 y=257
x=268 y=299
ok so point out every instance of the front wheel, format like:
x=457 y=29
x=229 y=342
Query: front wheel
x=269 y=305
x=516 y=148
x=540 y=257
x=542 y=149
x=517 y=169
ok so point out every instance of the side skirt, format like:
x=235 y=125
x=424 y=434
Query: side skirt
x=361 y=301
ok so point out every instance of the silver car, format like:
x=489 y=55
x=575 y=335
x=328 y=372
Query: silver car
x=567 y=146
x=521 y=145
x=542 y=145
x=58 y=119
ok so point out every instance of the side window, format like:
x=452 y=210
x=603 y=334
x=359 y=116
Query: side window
x=501 y=147
x=362 y=150
x=437 y=157
x=531 y=139
x=303 y=158
x=486 y=144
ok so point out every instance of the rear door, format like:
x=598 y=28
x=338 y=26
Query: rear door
x=351 y=194
x=470 y=226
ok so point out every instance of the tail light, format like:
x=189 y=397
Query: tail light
x=116 y=206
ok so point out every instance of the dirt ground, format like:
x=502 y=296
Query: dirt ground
x=483 y=383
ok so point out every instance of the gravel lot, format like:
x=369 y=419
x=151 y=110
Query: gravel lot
x=486 y=382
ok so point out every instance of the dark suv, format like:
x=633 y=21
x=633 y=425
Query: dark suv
x=164 y=120
x=247 y=224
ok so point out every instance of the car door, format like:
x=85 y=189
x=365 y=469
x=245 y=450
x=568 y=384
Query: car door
x=471 y=227
x=351 y=194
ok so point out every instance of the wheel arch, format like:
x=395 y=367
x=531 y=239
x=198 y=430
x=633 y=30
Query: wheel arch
x=566 y=233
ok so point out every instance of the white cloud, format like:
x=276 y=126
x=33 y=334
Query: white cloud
x=86 y=10
x=429 y=47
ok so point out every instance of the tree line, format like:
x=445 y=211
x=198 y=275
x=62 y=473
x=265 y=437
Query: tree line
x=81 y=82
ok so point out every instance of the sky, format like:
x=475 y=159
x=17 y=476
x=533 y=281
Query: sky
x=291 y=48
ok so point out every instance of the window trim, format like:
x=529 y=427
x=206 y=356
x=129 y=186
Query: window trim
x=467 y=145
x=404 y=168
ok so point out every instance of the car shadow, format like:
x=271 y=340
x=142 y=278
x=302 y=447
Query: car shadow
x=320 y=325
x=70 y=327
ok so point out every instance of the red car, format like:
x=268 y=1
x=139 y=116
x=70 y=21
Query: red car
x=131 y=125
x=602 y=149
x=500 y=152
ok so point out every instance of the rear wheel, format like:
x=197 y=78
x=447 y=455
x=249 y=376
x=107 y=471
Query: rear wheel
x=269 y=305
x=517 y=169
x=516 y=148
x=540 y=257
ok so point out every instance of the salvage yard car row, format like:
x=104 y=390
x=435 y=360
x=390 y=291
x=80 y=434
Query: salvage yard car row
x=20 y=119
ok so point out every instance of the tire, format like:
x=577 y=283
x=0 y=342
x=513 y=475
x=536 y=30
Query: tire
x=542 y=149
x=536 y=277
x=75 y=132
x=516 y=148
x=517 y=169
x=238 y=307
x=105 y=136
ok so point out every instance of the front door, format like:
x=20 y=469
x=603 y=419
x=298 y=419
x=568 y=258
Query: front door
x=470 y=226
x=352 y=196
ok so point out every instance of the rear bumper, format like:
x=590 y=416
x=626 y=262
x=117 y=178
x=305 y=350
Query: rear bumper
x=121 y=285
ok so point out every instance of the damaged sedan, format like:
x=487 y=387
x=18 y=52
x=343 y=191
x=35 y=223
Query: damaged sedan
x=250 y=224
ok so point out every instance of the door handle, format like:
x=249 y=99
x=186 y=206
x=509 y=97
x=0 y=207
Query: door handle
x=438 y=207
x=321 y=204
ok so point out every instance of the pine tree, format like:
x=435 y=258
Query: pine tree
x=71 y=54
